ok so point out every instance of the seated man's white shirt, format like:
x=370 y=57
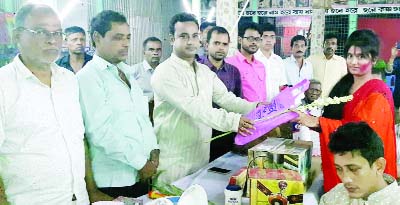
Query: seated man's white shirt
x=339 y=195
x=294 y=74
x=41 y=137
x=275 y=73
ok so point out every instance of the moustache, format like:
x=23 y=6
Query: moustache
x=299 y=52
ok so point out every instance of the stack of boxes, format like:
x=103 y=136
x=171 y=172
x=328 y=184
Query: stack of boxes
x=277 y=171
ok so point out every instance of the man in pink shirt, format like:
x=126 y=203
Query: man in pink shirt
x=252 y=71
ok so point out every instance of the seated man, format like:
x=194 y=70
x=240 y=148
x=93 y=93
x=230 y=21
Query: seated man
x=303 y=132
x=358 y=156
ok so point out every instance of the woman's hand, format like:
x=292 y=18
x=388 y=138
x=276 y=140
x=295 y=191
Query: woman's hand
x=306 y=120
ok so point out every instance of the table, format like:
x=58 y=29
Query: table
x=215 y=183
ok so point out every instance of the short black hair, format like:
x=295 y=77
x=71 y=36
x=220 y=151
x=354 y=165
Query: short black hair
x=366 y=40
x=267 y=27
x=206 y=24
x=101 y=23
x=330 y=36
x=298 y=38
x=74 y=29
x=152 y=39
x=357 y=137
x=244 y=26
x=181 y=17
x=217 y=29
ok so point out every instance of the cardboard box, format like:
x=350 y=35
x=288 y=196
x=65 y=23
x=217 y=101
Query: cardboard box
x=275 y=186
x=280 y=153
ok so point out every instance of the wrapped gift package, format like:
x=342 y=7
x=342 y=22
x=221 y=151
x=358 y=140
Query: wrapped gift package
x=281 y=153
x=275 y=186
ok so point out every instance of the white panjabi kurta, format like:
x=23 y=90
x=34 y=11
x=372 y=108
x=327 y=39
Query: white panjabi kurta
x=386 y=196
x=184 y=116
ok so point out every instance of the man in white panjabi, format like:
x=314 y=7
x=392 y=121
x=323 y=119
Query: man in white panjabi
x=184 y=91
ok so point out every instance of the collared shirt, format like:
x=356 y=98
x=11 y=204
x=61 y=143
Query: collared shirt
x=64 y=61
x=142 y=73
x=328 y=72
x=275 y=72
x=118 y=129
x=41 y=137
x=388 y=195
x=252 y=75
x=294 y=74
x=184 y=116
x=228 y=74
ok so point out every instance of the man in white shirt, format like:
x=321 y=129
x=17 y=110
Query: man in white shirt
x=41 y=128
x=274 y=68
x=152 y=52
x=184 y=91
x=143 y=71
x=121 y=138
x=297 y=68
x=328 y=67
x=358 y=155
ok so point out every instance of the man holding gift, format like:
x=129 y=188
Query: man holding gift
x=359 y=159
x=121 y=138
x=184 y=91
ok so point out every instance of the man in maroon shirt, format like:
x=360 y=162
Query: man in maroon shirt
x=218 y=45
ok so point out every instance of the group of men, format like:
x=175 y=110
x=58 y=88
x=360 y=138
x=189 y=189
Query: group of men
x=45 y=110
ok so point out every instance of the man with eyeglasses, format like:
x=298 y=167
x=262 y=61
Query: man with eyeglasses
x=274 y=68
x=41 y=128
x=297 y=68
x=252 y=71
x=76 y=58
x=121 y=138
x=328 y=67
x=184 y=91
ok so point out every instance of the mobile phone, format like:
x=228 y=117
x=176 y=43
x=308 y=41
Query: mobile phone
x=398 y=45
x=219 y=170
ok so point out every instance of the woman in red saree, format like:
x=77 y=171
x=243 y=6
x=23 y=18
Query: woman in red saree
x=372 y=102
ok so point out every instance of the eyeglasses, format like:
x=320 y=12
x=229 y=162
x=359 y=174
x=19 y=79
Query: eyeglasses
x=44 y=34
x=252 y=38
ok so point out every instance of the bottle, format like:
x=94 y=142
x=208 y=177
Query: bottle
x=233 y=195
